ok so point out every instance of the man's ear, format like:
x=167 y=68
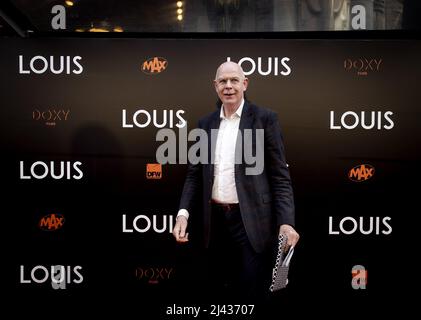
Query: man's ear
x=245 y=83
x=216 y=86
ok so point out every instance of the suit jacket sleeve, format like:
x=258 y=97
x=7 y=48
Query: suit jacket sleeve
x=278 y=173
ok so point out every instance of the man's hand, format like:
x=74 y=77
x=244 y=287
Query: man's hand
x=291 y=234
x=179 y=230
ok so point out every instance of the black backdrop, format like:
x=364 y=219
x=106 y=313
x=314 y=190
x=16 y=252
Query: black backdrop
x=78 y=117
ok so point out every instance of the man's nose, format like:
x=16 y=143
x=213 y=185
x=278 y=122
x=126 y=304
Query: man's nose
x=228 y=84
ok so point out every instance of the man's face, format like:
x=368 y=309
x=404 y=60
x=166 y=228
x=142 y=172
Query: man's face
x=230 y=84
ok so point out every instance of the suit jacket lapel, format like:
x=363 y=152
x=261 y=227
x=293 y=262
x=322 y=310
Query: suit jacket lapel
x=247 y=117
x=215 y=121
x=246 y=122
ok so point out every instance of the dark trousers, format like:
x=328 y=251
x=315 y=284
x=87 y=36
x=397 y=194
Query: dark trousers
x=236 y=271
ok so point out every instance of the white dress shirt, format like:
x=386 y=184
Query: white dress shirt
x=224 y=189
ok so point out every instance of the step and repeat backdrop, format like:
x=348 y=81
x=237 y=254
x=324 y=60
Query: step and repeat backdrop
x=89 y=212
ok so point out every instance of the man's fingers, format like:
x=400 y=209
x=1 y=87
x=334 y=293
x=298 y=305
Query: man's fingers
x=179 y=230
x=291 y=235
x=182 y=231
x=292 y=238
x=176 y=231
x=185 y=238
x=292 y=241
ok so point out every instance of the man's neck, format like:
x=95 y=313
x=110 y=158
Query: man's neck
x=230 y=110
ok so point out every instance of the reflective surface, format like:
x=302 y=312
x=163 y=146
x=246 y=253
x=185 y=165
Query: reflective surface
x=219 y=15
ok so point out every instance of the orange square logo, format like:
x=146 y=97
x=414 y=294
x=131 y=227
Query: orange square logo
x=153 y=171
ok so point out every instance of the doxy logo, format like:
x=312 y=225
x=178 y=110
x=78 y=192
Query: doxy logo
x=363 y=65
x=154 y=274
x=50 y=116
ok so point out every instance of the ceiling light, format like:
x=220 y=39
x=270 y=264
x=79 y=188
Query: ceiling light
x=98 y=30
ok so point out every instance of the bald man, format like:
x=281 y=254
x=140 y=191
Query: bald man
x=243 y=213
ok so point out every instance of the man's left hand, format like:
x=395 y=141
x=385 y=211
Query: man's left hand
x=291 y=234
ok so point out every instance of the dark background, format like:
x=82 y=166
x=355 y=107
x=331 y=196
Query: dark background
x=114 y=165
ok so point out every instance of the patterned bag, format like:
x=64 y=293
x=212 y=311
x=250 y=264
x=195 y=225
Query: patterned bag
x=280 y=271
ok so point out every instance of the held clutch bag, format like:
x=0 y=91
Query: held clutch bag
x=281 y=268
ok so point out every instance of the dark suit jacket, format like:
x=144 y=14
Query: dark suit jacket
x=266 y=200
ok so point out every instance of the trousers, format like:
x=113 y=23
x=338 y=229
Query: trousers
x=236 y=271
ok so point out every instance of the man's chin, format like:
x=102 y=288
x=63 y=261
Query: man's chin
x=229 y=102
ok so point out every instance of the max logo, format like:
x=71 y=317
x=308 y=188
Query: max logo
x=51 y=222
x=361 y=173
x=154 y=65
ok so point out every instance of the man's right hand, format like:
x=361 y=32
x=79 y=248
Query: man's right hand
x=179 y=230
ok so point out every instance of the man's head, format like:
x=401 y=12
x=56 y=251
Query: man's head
x=230 y=84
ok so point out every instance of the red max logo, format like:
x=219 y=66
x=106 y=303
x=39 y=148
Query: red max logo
x=51 y=222
x=360 y=173
x=154 y=65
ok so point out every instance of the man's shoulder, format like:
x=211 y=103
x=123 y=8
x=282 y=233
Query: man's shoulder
x=261 y=112
x=207 y=118
x=258 y=111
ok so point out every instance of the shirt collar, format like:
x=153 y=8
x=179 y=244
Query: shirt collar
x=236 y=113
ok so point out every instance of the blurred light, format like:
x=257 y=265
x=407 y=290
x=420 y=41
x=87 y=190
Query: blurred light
x=80 y=30
x=98 y=30
x=179 y=11
x=180 y=17
x=69 y=3
x=179 y=4
x=118 y=29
